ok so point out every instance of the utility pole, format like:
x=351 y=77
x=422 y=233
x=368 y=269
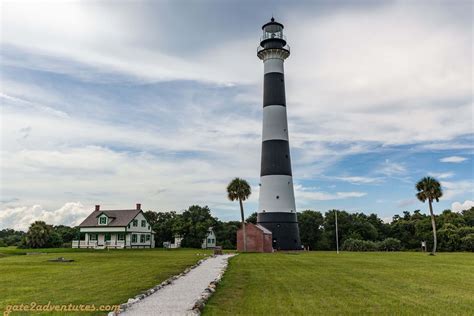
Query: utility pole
x=337 y=235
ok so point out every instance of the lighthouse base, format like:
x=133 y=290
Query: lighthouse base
x=284 y=228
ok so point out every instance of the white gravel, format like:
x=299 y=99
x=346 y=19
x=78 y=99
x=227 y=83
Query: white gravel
x=179 y=297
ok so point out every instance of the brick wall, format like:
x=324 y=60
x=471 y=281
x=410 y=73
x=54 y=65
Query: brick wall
x=257 y=241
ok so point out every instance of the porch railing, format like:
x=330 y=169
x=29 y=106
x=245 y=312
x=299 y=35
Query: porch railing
x=84 y=244
x=95 y=244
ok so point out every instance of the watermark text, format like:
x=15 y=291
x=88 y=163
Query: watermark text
x=49 y=307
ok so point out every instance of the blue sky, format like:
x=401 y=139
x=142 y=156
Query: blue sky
x=120 y=102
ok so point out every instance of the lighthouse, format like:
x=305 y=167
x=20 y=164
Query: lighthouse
x=276 y=205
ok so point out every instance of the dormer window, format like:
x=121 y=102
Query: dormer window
x=103 y=220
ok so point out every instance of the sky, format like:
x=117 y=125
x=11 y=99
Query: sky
x=160 y=103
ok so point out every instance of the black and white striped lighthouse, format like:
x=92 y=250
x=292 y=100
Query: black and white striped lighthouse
x=276 y=210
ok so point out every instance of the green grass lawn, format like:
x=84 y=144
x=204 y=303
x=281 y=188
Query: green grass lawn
x=96 y=276
x=349 y=283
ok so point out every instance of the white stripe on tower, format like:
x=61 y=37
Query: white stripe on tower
x=274 y=64
x=274 y=123
x=276 y=194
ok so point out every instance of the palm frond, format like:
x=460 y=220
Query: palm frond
x=429 y=189
x=238 y=189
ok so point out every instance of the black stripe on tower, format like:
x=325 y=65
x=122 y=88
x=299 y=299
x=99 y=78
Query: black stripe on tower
x=284 y=228
x=275 y=158
x=274 y=89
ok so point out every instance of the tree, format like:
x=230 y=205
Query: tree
x=430 y=189
x=193 y=225
x=239 y=189
x=39 y=235
x=468 y=216
x=468 y=242
x=66 y=233
x=449 y=238
x=151 y=217
x=252 y=218
x=11 y=237
x=310 y=224
x=226 y=233
x=164 y=225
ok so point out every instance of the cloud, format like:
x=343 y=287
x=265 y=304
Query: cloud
x=360 y=180
x=390 y=168
x=406 y=202
x=441 y=175
x=387 y=220
x=310 y=194
x=453 y=159
x=459 y=207
x=454 y=189
x=20 y=218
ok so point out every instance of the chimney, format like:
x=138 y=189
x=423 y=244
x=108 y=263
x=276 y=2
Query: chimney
x=97 y=207
x=139 y=206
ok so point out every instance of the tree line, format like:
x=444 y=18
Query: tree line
x=39 y=235
x=318 y=230
x=357 y=231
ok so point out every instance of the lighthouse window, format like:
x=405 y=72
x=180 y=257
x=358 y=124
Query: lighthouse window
x=286 y=156
x=278 y=225
x=278 y=197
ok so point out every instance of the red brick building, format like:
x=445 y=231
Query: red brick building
x=259 y=239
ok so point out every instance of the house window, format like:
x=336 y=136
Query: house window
x=143 y=223
x=148 y=227
x=142 y=238
x=209 y=240
x=134 y=237
x=107 y=236
x=147 y=237
x=135 y=222
x=93 y=237
x=128 y=225
x=120 y=237
x=102 y=220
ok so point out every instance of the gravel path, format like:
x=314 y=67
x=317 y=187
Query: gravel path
x=178 y=298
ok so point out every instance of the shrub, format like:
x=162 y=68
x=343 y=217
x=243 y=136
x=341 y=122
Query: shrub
x=41 y=235
x=390 y=244
x=448 y=237
x=351 y=244
x=2 y=243
x=54 y=240
x=467 y=243
x=465 y=230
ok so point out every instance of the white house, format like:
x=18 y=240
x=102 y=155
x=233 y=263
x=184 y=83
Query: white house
x=115 y=229
x=177 y=242
x=210 y=240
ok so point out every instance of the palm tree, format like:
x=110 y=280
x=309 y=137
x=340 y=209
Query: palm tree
x=38 y=235
x=430 y=189
x=239 y=189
